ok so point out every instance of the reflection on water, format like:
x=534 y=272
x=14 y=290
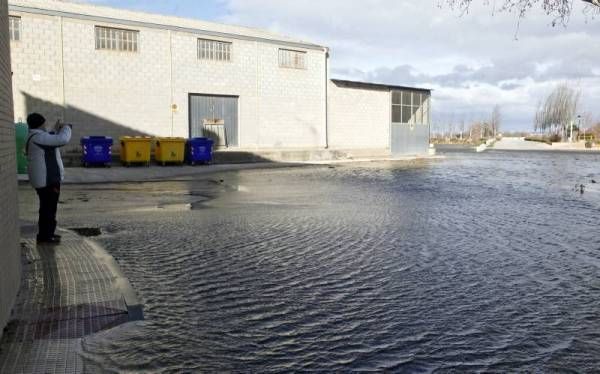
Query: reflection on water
x=474 y=263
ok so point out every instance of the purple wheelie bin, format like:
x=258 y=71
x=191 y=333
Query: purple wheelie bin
x=96 y=150
x=199 y=151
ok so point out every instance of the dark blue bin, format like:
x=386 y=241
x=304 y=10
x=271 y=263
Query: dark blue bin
x=198 y=150
x=96 y=150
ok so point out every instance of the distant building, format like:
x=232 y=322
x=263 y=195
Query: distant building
x=115 y=72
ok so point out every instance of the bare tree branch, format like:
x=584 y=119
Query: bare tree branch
x=560 y=9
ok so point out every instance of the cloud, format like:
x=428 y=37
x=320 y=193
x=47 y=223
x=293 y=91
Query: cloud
x=474 y=61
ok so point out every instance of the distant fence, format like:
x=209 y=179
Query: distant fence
x=586 y=137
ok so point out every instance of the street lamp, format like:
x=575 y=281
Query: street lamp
x=578 y=127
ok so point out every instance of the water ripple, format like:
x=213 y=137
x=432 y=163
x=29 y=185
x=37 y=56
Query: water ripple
x=476 y=263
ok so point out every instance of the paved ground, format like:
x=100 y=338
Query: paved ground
x=118 y=174
x=67 y=292
x=76 y=289
x=77 y=175
x=519 y=144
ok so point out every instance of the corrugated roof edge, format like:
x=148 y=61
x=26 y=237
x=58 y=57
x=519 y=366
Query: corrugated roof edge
x=377 y=86
x=162 y=26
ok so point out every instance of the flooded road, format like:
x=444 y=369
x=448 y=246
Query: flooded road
x=480 y=262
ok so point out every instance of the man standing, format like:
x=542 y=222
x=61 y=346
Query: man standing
x=46 y=172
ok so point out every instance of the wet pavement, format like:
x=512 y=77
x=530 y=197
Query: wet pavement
x=480 y=262
x=119 y=174
x=520 y=144
x=68 y=291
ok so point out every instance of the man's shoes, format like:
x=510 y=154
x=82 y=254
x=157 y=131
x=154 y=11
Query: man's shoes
x=52 y=240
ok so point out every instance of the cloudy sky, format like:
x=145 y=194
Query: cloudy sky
x=473 y=61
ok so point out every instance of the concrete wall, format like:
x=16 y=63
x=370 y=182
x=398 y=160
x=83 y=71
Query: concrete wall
x=278 y=107
x=359 y=117
x=59 y=72
x=9 y=219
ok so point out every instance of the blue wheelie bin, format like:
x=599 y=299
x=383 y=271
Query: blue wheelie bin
x=198 y=150
x=96 y=150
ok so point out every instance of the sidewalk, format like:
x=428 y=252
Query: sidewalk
x=120 y=174
x=520 y=144
x=116 y=174
x=67 y=292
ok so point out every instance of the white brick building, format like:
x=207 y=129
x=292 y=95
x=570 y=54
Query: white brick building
x=115 y=72
x=378 y=116
x=10 y=260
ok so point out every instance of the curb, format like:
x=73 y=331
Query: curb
x=135 y=308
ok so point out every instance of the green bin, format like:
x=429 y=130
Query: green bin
x=21 y=132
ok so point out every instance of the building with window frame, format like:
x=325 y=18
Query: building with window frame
x=116 y=72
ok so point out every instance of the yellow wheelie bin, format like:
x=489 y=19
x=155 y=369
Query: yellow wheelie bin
x=169 y=150
x=135 y=150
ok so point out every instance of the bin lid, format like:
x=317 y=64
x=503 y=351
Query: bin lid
x=96 y=139
x=136 y=138
x=170 y=139
x=201 y=140
x=21 y=129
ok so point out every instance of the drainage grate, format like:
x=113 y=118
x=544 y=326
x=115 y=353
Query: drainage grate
x=67 y=292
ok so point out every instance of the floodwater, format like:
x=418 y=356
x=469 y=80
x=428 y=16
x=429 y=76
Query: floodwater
x=479 y=262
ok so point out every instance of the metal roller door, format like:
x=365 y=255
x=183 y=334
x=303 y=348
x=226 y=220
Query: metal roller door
x=214 y=117
x=409 y=139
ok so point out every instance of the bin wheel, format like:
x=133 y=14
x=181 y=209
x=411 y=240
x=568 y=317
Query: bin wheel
x=84 y=164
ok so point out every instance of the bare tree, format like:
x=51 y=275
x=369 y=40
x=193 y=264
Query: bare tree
x=537 y=121
x=476 y=131
x=559 y=9
x=558 y=110
x=486 y=129
x=495 y=120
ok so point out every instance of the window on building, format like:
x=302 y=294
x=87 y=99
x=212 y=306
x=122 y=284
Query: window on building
x=116 y=39
x=214 y=50
x=14 y=28
x=411 y=107
x=292 y=59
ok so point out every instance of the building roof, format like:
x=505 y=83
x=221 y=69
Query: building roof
x=376 y=86
x=90 y=12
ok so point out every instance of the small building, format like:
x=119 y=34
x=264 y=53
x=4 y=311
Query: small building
x=115 y=72
x=378 y=116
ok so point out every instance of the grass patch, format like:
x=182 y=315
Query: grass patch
x=543 y=139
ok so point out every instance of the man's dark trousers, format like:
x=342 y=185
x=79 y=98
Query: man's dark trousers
x=48 y=205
